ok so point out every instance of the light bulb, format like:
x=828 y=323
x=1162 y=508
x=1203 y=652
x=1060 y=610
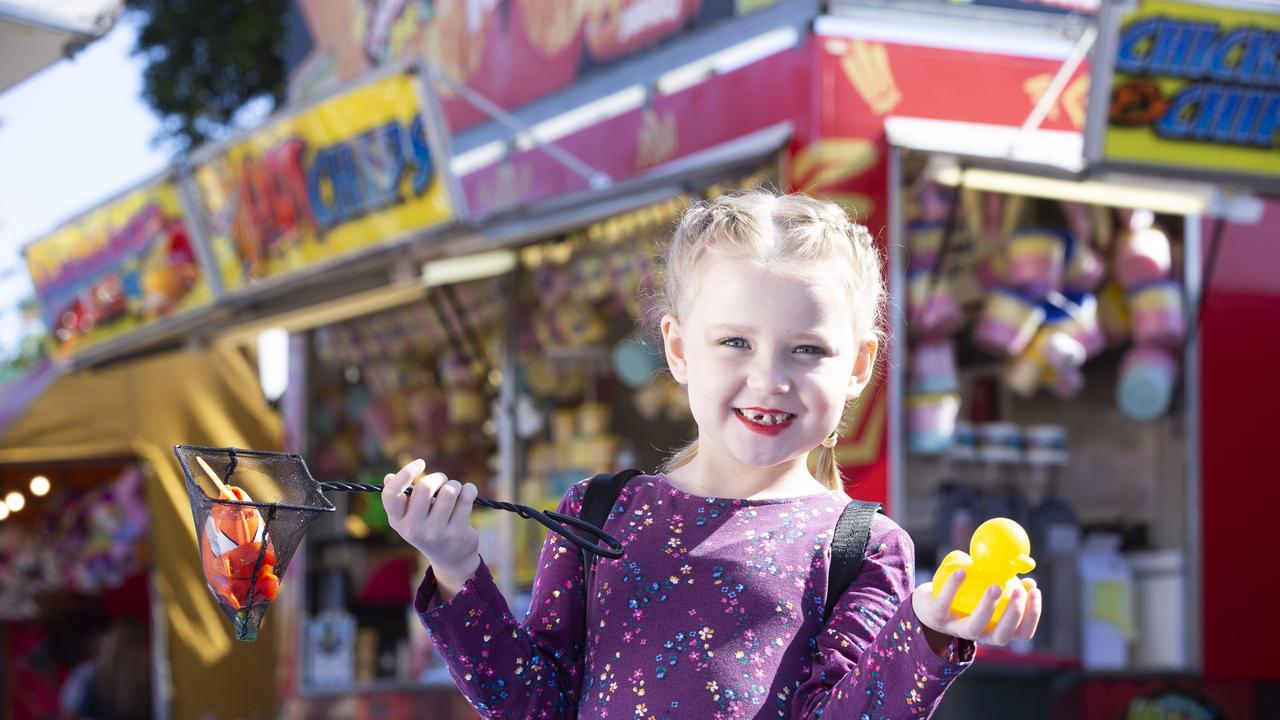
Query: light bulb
x=15 y=501
x=4 y=511
x=39 y=486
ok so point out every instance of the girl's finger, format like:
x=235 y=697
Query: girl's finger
x=948 y=594
x=393 y=488
x=423 y=496
x=976 y=626
x=462 y=509
x=438 y=519
x=1012 y=618
x=1031 y=620
x=393 y=506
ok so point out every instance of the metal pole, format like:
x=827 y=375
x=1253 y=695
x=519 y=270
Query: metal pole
x=897 y=333
x=1056 y=86
x=161 y=669
x=197 y=226
x=1193 y=550
x=1100 y=80
x=598 y=179
x=508 y=441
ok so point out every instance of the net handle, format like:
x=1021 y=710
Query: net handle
x=553 y=521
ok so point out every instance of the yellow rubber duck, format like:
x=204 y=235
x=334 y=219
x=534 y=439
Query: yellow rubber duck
x=1000 y=551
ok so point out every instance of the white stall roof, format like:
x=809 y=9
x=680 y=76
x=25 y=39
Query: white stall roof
x=35 y=34
x=1056 y=151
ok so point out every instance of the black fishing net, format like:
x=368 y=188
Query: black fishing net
x=246 y=542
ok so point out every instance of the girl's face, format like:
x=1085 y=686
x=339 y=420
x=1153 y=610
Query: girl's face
x=770 y=360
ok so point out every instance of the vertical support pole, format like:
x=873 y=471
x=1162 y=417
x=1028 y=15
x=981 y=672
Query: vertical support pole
x=508 y=440
x=896 y=272
x=1193 y=547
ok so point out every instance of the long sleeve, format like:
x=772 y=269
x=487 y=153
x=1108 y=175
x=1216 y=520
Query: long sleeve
x=872 y=659
x=507 y=669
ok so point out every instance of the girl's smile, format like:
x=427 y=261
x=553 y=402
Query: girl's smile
x=764 y=420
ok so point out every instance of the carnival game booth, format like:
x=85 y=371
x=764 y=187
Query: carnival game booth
x=1046 y=380
x=96 y=563
x=1052 y=332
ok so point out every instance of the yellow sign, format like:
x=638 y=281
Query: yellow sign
x=1196 y=87
x=116 y=269
x=350 y=173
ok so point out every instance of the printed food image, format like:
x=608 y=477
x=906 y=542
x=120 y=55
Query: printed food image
x=619 y=27
x=552 y=24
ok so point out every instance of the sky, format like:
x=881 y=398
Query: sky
x=72 y=136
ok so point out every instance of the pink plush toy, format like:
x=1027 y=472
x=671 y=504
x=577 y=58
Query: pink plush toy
x=933 y=366
x=931 y=310
x=1080 y=321
x=1007 y=324
x=1143 y=256
x=1156 y=312
x=931 y=421
x=1037 y=258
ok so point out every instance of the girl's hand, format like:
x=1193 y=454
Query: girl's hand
x=1020 y=618
x=435 y=519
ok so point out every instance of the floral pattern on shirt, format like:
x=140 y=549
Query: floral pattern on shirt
x=716 y=611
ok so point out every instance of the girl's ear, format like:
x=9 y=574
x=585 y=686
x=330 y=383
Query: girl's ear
x=673 y=344
x=862 y=367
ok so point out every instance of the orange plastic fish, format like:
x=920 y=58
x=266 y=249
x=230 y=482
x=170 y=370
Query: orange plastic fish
x=232 y=546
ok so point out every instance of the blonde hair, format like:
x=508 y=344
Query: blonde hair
x=792 y=233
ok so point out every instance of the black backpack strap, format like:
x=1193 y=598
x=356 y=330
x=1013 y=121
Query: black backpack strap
x=597 y=501
x=849 y=547
x=602 y=492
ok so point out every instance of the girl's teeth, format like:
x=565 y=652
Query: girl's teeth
x=764 y=418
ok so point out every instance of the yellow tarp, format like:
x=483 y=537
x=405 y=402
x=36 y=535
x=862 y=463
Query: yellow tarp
x=142 y=408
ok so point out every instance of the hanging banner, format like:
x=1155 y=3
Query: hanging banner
x=363 y=168
x=1192 y=89
x=509 y=51
x=116 y=269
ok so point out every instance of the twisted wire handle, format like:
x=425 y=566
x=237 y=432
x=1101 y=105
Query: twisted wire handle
x=553 y=521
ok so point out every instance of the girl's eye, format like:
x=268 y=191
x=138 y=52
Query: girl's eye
x=811 y=350
x=804 y=349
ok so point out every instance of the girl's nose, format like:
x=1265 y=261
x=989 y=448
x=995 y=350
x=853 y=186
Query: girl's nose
x=768 y=377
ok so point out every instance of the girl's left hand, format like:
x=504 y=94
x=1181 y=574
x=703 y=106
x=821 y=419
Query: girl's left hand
x=1020 y=618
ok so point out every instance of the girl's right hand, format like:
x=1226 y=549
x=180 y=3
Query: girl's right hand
x=435 y=519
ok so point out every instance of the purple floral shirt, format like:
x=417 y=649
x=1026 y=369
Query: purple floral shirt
x=715 y=611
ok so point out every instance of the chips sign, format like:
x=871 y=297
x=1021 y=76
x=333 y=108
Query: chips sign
x=360 y=169
x=116 y=269
x=1194 y=89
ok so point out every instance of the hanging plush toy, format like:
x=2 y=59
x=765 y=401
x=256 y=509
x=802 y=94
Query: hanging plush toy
x=1008 y=322
x=1143 y=265
x=572 y=324
x=552 y=283
x=1085 y=268
x=1037 y=259
x=1148 y=375
x=466 y=404
x=627 y=267
x=591 y=280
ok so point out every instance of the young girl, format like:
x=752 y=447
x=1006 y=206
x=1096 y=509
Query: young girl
x=717 y=608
